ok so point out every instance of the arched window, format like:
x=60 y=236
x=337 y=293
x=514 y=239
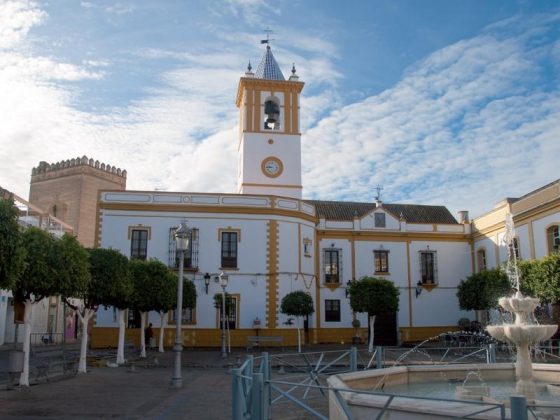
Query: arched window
x=553 y=238
x=272 y=112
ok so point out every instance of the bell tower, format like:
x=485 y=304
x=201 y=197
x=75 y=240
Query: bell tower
x=269 y=146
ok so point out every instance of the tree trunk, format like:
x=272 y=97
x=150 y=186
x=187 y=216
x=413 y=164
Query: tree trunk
x=298 y=336
x=28 y=320
x=120 y=348
x=161 y=317
x=84 y=320
x=371 y=325
x=143 y=319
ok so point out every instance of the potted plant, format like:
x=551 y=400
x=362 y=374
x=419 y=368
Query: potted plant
x=356 y=325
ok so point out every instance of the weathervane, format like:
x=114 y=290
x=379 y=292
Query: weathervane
x=268 y=31
x=379 y=188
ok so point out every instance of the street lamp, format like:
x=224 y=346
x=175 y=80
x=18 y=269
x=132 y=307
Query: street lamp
x=223 y=282
x=181 y=237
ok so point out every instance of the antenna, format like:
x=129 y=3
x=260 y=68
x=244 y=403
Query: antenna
x=268 y=31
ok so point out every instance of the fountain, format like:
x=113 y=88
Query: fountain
x=523 y=333
x=383 y=386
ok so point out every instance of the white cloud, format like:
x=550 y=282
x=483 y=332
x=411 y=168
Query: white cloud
x=16 y=19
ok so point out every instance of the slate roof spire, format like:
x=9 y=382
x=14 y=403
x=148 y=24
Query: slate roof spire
x=268 y=67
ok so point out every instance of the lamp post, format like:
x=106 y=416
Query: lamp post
x=181 y=237
x=207 y=281
x=223 y=282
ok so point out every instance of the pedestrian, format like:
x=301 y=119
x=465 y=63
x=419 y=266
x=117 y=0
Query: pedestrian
x=148 y=334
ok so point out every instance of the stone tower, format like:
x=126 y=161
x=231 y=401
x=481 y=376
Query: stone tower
x=269 y=147
x=68 y=190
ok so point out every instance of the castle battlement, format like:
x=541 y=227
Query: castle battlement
x=45 y=167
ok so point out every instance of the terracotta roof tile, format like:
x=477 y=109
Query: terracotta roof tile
x=412 y=213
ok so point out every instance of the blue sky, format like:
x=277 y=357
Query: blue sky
x=440 y=102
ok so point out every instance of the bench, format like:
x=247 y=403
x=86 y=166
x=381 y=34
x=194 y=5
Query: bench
x=257 y=340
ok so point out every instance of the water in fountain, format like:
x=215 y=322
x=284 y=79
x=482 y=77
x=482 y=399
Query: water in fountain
x=523 y=332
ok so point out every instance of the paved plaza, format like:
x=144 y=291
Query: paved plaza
x=142 y=392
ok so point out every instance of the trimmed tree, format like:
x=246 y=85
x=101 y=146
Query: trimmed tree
x=74 y=281
x=480 y=291
x=541 y=279
x=153 y=290
x=166 y=300
x=12 y=252
x=374 y=296
x=298 y=304
x=111 y=286
x=38 y=280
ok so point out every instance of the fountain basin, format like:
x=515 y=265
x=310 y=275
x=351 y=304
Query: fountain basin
x=367 y=406
x=515 y=333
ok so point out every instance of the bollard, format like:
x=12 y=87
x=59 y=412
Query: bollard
x=491 y=353
x=353 y=359
x=379 y=357
x=518 y=404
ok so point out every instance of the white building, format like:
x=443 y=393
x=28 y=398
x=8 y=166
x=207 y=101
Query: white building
x=271 y=242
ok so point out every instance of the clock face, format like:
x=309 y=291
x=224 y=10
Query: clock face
x=272 y=167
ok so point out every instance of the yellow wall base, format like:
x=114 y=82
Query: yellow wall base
x=108 y=336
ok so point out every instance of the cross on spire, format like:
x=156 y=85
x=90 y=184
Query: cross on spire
x=379 y=188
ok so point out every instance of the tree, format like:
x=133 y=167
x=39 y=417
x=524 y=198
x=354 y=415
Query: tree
x=298 y=304
x=541 y=279
x=12 y=252
x=481 y=291
x=111 y=286
x=374 y=296
x=38 y=280
x=154 y=289
x=74 y=282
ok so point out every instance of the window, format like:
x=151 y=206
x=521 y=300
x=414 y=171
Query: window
x=187 y=318
x=332 y=310
x=428 y=266
x=190 y=260
x=331 y=265
x=229 y=250
x=513 y=249
x=232 y=302
x=307 y=247
x=481 y=259
x=381 y=259
x=380 y=220
x=553 y=239
x=139 y=244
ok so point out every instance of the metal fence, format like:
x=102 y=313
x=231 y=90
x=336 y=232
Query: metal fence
x=298 y=382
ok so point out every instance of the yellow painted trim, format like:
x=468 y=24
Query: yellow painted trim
x=413 y=334
x=332 y=286
x=272 y=269
x=394 y=236
x=140 y=227
x=531 y=239
x=257 y=110
x=229 y=229
x=258 y=85
x=250 y=105
x=249 y=184
x=409 y=279
x=278 y=162
x=295 y=109
x=353 y=258
x=183 y=208
x=317 y=289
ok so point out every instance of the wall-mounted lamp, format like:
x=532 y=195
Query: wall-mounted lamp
x=418 y=288
x=347 y=290
x=206 y=281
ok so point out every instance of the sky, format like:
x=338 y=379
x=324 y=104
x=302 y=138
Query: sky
x=443 y=102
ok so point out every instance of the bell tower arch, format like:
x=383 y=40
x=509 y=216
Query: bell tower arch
x=269 y=146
